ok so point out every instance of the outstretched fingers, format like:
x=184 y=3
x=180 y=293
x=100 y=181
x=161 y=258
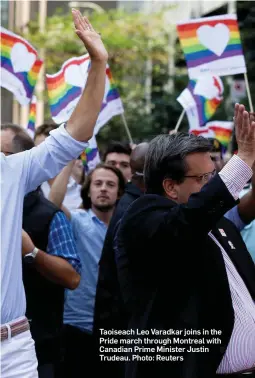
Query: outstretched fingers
x=246 y=124
x=253 y=131
x=236 y=111
x=76 y=20
x=239 y=118
x=252 y=116
x=87 y=23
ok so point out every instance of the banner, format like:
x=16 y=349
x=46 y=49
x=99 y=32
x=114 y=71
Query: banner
x=32 y=118
x=212 y=45
x=201 y=99
x=66 y=86
x=221 y=130
x=237 y=90
x=90 y=156
x=20 y=66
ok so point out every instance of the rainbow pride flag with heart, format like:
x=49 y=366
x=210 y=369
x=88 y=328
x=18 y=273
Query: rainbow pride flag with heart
x=201 y=99
x=20 y=66
x=66 y=86
x=212 y=45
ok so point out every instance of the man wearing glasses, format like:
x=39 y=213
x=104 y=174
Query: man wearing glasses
x=183 y=266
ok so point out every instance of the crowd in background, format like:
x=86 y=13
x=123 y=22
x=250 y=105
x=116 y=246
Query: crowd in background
x=73 y=218
x=155 y=237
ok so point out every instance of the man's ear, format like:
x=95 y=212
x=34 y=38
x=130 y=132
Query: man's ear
x=169 y=187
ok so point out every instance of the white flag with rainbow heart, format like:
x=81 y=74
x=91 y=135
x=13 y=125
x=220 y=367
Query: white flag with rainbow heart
x=20 y=66
x=65 y=88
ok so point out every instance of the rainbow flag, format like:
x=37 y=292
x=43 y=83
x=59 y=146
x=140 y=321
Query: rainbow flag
x=32 y=117
x=221 y=130
x=20 y=66
x=212 y=45
x=201 y=99
x=66 y=86
x=90 y=156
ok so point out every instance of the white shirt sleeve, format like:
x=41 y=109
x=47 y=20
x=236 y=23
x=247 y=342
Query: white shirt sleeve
x=235 y=174
x=46 y=160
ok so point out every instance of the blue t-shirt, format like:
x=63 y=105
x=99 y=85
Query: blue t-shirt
x=89 y=233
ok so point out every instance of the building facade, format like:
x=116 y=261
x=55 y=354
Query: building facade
x=16 y=14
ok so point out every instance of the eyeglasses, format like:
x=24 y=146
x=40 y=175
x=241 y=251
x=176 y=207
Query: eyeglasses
x=204 y=178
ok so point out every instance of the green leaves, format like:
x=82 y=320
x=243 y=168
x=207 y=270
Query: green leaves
x=131 y=40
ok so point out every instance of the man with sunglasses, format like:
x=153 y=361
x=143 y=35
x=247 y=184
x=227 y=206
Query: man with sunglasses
x=183 y=266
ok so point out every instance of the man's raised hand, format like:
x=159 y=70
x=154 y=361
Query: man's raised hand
x=245 y=134
x=91 y=39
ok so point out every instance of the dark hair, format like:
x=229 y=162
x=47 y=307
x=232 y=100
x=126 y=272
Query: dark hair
x=45 y=129
x=86 y=201
x=22 y=142
x=11 y=126
x=119 y=148
x=166 y=158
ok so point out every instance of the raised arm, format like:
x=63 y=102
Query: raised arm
x=203 y=209
x=246 y=207
x=82 y=121
x=59 y=187
x=206 y=207
x=67 y=142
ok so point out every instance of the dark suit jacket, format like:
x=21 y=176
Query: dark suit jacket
x=108 y=305
x=176 y=277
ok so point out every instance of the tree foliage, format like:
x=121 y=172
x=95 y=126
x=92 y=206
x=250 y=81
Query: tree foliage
x=133 y=40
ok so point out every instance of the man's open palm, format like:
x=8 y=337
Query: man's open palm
x=89 y=37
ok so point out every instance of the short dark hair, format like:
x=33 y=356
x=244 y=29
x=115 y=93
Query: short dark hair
x=117 y=147
x=166 y=158
x=22 y=142
x=45 y=129
x=86 y=201
x=11 y=126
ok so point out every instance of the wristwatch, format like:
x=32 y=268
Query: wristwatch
x=30 y=257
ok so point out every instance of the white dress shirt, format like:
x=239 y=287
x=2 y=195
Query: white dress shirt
x=20 y=174
x=240 y=353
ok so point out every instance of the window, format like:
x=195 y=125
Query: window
x=4 y=9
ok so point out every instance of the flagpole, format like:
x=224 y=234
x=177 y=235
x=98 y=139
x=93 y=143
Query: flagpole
x=179 y=121
x=40 y=83
x=126 y=128
x=248 y=91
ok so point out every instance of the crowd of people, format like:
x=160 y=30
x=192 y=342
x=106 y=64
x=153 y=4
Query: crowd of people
x=160 y=235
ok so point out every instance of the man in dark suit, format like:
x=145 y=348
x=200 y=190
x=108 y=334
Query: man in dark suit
x=109 y=310
x=183 y=266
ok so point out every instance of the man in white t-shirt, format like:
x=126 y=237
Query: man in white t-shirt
x=22 y=173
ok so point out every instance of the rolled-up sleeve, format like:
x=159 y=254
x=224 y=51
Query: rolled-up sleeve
x=46 y=160
x=61 y=241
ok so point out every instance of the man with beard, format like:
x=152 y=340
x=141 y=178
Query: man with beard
x=109 y=309
x=103 y=186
